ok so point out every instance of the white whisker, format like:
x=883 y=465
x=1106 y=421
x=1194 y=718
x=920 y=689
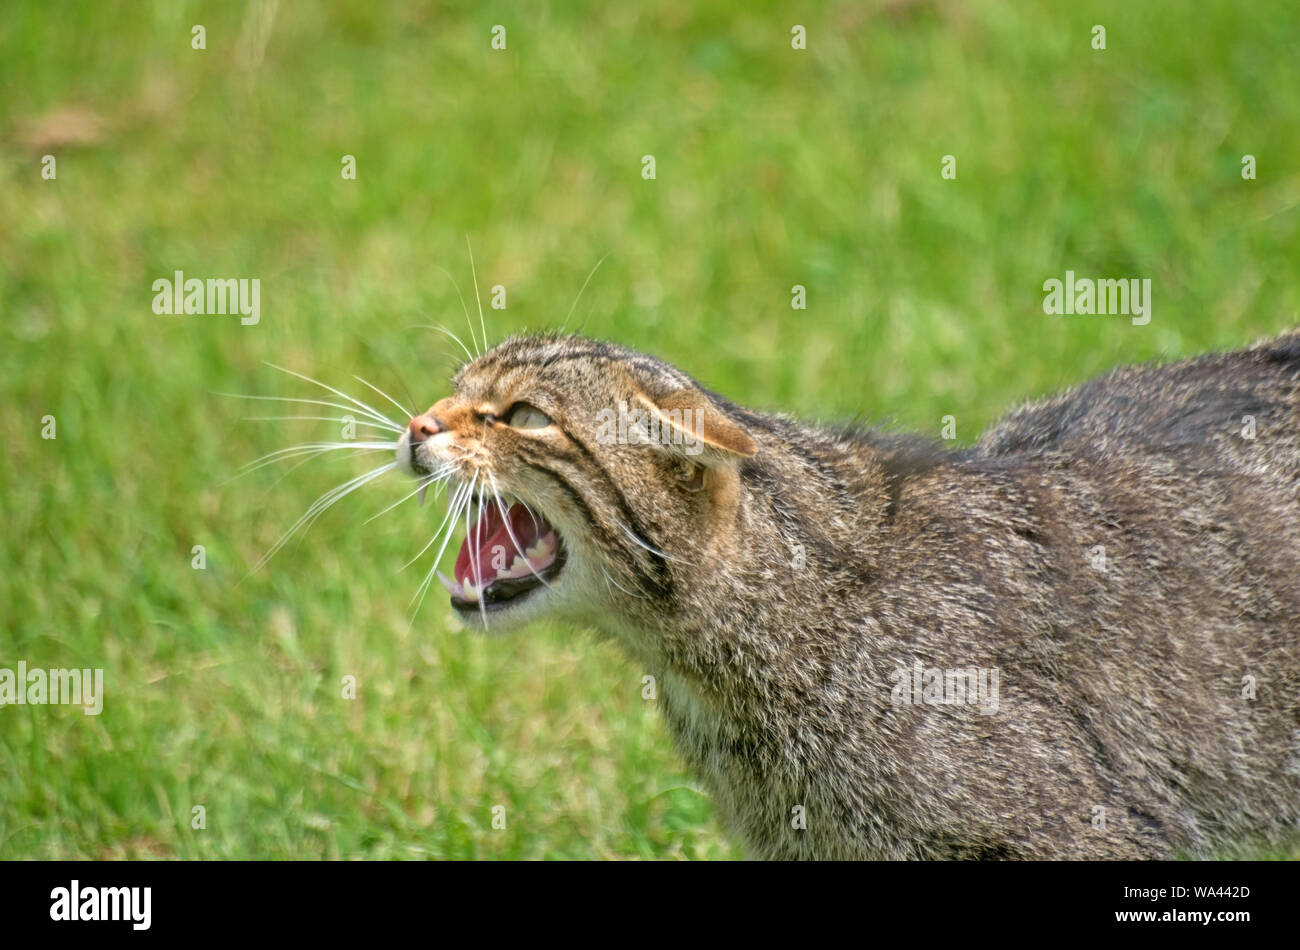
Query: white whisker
x=532 y=514
x=293 y=468
x=425 y=483
x=405 y=412
x=610 y=580
x=474 y=560
x=312 y=402
x=653 y=550
x=465 y=310
x=308 y=449
x=360 y=422
x=505 y=517
x=453 y=507
x=319 y=447
x=458 y=341
x=370 y=410
x=581 y=289
x=465 y=493
x=477 y=299
x=320 y=506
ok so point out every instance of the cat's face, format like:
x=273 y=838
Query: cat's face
x=584 y=474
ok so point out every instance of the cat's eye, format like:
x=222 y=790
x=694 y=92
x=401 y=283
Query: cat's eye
x=524 y=416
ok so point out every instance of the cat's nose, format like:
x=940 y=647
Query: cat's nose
x=423 y=426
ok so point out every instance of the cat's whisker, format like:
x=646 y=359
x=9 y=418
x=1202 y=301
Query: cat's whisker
x=310 y=449
x=320 y=506
x=425 y=483
x=590 y=275
x=474 y=560
x=532 y=514
x=610 y=580
x=313 y=447
x=465 y=310
x=386 y=422
x=477 y=299
x=465 y=502
x=443 y=330
x=505 y=517
x=406 y=413
x=359 y=422
x=369 y=410
x=465 y=493
x=293 y=468
x=453 y=510
x=632 y=535
x=441 y=476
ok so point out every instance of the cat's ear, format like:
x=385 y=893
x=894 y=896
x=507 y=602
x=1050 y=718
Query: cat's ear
x=689 y=422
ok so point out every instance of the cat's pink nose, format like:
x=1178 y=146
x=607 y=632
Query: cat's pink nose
x=423 y=426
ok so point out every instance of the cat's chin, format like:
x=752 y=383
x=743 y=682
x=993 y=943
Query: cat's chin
x=508 y=616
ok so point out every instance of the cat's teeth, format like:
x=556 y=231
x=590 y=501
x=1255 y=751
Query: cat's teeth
x=542 y=549
x=520 y=568
x=420 y=497
x=471 y=592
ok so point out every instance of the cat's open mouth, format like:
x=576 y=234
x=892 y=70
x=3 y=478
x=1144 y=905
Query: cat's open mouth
x=504 y=559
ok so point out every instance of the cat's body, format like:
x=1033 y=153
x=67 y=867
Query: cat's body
x=1125 y=558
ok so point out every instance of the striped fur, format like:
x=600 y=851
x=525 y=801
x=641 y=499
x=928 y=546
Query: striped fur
x=776 y=597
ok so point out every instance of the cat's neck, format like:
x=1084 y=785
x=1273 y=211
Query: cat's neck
x=794 y=547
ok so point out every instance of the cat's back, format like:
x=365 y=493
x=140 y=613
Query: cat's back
x=1125 y=553
x=1242 y=405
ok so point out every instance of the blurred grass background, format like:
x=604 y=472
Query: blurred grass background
x=774 y=168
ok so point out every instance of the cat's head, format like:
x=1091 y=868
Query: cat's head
x=589 y=479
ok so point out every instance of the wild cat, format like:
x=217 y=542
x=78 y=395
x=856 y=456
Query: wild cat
x=1113 y=573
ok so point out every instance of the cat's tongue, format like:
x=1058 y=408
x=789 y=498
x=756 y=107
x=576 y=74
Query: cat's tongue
x=490 y=552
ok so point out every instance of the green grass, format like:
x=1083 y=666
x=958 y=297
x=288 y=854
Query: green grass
x=774 y=168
